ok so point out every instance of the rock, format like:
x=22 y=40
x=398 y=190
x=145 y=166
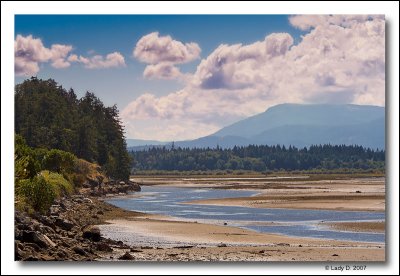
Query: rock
x=222 y=245
x=100 y=212
x=225 y=223
x=283 y=244
x=134 y=186
x=92 y=233
x=49 y=241
x=64 y=224
x=104 y=247
x=34 y=246
x=79 y=250
x=300 y=245
x=335 y=255
x=126 y=257
x=55 y=210
x=31 y=259
x=34 y=237
x=87 y=200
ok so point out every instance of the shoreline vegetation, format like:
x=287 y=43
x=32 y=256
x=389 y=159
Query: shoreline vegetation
x=73 y=156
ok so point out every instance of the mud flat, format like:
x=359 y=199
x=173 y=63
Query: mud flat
x=155 y=238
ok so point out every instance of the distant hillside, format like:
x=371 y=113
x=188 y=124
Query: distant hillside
x=139 y=142
x=302 y=125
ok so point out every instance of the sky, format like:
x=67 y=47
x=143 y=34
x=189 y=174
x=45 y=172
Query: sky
x=177 y=77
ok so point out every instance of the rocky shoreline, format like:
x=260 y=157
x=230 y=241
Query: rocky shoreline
x=68 y=232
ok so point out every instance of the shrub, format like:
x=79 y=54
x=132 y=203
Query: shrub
x=59 y=161
x=59 y=184
x=37 y=191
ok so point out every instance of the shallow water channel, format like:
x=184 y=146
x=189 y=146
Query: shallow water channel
x=301 y=223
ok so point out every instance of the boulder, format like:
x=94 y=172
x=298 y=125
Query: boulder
x=35 y=237
x=92 y=233
x=104 y=247
x=126 y=257
x=64 y=224
x=134 y=186
x=79 y=250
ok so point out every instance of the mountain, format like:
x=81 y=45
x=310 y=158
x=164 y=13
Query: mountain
x=139 y=142
x=302 y=125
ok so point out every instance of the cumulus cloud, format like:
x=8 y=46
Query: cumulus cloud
x=153 y=49
x=161 y=71
x=115 y=59
x=162 y=53
x=305 y=22
x=29 y=52
x=340 y=59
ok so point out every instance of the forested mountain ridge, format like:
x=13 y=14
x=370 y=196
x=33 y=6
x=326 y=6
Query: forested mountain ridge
x=50 y=117
x=300 y=125
x=260 y=158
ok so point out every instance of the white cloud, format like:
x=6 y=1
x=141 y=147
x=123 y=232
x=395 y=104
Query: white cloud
x=99 y=62
x=153 y=49
x=161 y=71
x=341 y=59
x=305 y=22
x=162 y=53
x=29 y=52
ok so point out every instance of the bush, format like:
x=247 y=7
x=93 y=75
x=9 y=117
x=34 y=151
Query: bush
x=59 y=161
x=37 y=191
x=59 y=184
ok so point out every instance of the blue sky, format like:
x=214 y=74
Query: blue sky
x=107 y=33
x=233 y=66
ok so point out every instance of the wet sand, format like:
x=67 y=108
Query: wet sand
x=156 y=238
x=360 y=226
x=199 y=241
x=344 y=195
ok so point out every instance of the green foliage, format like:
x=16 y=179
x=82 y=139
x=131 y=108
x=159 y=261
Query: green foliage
x=37 y=191
x=59 y=184
x=26 y=165
x=50 y=117
x=59 y=161
x=260 y=159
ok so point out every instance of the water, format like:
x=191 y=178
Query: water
x=302 y=223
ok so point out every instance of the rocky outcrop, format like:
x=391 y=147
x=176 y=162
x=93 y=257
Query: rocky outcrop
x=112 y=187
x=67 y=232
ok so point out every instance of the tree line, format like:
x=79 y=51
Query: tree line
x=50 y=117
x=259 y=158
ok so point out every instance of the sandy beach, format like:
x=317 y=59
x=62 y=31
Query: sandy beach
x=364 y=194
x=163 y=238
x=190 y=241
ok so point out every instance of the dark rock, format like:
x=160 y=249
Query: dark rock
x=135 y=250
x=100 y=212
x=34 y=237
x=335 y=255
x=31 y=259
x=79 y=250
x=300 y=245
x=127 y=257
x=104 y=247
x=222 y=245
x=64 y=224
x=34 y=246
x=225 y=223
x=283 y=244
x=92 y=233
x=134 y=186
